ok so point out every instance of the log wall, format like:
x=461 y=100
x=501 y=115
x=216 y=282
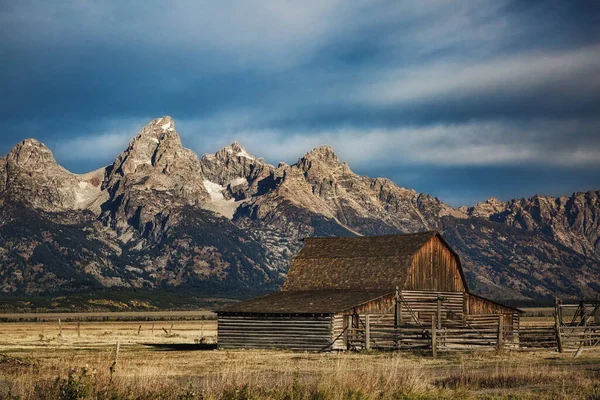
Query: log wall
x=293 y=332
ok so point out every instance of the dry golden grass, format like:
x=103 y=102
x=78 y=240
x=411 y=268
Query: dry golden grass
x=80 y=367
x=94 y=334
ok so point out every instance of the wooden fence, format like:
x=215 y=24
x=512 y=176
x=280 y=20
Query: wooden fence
x=537 y=337
x=577 y=336
x=378 y=332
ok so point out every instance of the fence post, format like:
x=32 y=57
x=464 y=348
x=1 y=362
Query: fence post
x=346 y=328
x=60 y=335
x=397 y=318
x=433 y=337
x=597 y=313
x=517 y=330
x=78 y=329
x=439 y=312
x=500 y=344
x=117 y=348
x=465 y=309
x=367 y=332
x=113 y=367
x=398 y=314
x=559 y=343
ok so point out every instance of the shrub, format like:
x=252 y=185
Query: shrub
x=78 y=385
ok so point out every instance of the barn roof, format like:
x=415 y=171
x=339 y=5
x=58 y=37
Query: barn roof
x=306 y=302
x=366 y=262
x=364 y=246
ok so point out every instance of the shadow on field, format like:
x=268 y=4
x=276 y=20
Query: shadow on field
x=182 y=346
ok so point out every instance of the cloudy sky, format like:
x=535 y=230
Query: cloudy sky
x=463 y=100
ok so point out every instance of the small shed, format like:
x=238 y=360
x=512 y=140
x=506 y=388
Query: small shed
x=334 y=285
x=294 y=320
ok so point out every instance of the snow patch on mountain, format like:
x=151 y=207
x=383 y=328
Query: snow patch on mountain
x=243 y=153
x=239 y=181
x=214 y=190
x=218 y=203
x=167 y=127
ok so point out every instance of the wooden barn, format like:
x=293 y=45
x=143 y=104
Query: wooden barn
x=386 y=292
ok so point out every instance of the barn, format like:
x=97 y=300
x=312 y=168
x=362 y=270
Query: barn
x=387 y=292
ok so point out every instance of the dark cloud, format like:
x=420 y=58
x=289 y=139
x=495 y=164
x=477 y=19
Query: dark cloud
x=406 y=80
x=469 y=185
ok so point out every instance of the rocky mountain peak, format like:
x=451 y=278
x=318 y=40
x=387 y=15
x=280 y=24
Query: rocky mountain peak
x=493 y=200
x=322 y=163
x=153 y=221
x=232 y=154
x=31 y=155
x=239 y=151
x=157 y=143
x=232 y=174
x=323 y=153
x=157 y=150
x=29 y=174
x=158 y=127
x=485 y=209
x=155 y=174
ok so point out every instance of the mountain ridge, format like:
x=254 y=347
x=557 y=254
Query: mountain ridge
x=160 y=216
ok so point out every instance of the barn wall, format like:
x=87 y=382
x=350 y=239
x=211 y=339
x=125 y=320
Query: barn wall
x=434 y=267
x=423 y=305
x=382 y=305
x=418 y=304
x=479 y=305
x=293 y=332
x=378 y=307
x=480 y=309
x=338 y=332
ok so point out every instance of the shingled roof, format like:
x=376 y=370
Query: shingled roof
x=306 y=302
x=375 y=262
x=364 y=246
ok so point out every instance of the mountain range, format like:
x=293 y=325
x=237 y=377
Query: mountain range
x=160 y=217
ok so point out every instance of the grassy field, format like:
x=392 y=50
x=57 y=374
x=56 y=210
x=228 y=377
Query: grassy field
x=107 y=316
x=177 y=360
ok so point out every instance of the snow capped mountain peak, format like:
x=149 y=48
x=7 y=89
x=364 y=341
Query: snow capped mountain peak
x=167 y=125
x=239 y=151
x=157 y=131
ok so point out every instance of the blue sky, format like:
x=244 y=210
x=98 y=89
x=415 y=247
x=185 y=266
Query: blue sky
x=462 y=100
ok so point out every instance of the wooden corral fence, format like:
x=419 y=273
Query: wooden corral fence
x=438 y=323
x=577 y=336
x=539 y=336
x=577 y=326
x=377 y=332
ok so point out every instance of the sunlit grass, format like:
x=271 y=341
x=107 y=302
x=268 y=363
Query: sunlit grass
x=79 y=367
